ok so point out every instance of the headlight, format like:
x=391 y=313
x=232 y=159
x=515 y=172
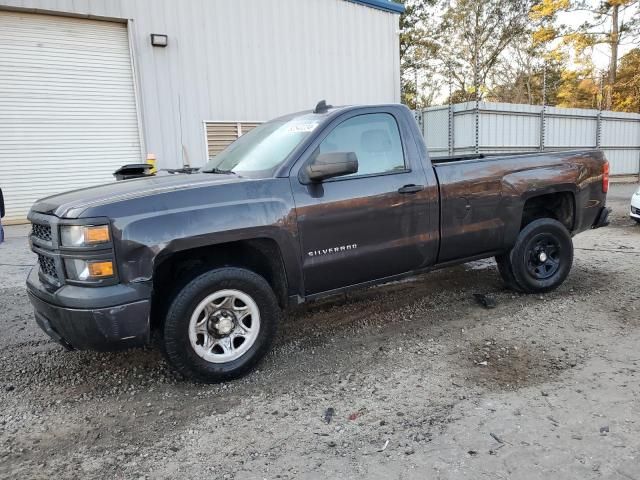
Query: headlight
x=88 y=269
x=82 y=235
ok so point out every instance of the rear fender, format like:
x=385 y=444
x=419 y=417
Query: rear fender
x=518 y=187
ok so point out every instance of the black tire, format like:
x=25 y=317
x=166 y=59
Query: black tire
x=525 y=260
x=177 y=346
x=504 y=267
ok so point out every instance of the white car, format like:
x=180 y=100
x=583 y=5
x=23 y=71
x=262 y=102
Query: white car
x=635 y=206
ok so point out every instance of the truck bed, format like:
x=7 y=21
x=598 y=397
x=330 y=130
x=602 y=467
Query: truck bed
x=482 y=196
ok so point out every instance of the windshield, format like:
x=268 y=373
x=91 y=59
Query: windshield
x=264 y=148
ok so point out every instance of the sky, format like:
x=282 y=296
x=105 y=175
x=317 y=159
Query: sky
x=601 y=53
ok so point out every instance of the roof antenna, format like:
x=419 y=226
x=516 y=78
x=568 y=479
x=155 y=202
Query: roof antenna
x=322 y=107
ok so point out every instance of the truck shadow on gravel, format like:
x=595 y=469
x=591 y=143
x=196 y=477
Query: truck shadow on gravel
x=416 y=301
x=434 y=305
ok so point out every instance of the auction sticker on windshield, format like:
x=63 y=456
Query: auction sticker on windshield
x=302 y=127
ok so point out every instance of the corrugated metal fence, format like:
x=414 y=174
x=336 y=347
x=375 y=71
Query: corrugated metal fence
x=502 y=127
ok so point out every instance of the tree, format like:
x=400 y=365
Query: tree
x=417 y=49
x=528 y=76
x=579 y=89
x=472 y=37
x=626 y=91
x=609 y=24
x=489 y=49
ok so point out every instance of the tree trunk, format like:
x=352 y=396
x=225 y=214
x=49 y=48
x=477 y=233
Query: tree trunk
x=613 y=64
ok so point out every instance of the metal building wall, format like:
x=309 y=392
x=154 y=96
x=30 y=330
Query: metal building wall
x=244 y=60
x=503 y=127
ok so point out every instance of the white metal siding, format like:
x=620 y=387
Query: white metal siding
x=464 y=128
x=571 y=128
x=504 y=127
x=67 y=106
x=246 y=59
x=436 y=134
x=515 y=127
x=621 y=141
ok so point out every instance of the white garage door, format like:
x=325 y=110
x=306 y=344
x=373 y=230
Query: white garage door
x=67 y=106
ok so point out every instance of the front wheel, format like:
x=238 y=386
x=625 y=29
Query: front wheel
x=541 y=258
x=220 y=325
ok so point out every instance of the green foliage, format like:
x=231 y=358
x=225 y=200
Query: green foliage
x=417 y=48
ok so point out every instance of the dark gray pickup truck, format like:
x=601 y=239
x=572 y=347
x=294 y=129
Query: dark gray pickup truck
x=303 y=206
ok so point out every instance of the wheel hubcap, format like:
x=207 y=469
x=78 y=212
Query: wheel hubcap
x=221 y=323
x=224 y=326
x=543 y=258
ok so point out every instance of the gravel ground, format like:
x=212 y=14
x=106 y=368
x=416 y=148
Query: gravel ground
x=413 y=379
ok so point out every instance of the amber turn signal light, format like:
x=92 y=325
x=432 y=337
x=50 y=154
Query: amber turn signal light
x=98 y=234
x=100 y=269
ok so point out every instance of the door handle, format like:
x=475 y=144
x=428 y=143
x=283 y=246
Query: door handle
x=411 y=188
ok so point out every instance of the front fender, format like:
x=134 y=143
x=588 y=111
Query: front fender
x=144 y=239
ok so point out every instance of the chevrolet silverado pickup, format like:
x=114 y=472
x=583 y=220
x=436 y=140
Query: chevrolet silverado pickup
x=303 y=206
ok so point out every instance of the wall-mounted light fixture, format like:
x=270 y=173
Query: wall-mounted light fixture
x=159 y=40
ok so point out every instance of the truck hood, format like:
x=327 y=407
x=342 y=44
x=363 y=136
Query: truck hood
x=72 y=204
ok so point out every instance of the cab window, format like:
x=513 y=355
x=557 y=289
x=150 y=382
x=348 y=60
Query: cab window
x=374 y=138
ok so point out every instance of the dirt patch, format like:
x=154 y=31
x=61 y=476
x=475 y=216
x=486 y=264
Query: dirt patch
x=503 y=366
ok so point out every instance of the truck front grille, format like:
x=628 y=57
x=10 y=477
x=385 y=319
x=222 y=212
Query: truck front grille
x=47 y=266
x=43 y=232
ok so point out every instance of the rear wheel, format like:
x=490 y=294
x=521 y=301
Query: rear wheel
x=504 y=267
x=220 y=325
x=541 y=258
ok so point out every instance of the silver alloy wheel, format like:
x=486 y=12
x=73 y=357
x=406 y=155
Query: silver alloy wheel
x=224 y=326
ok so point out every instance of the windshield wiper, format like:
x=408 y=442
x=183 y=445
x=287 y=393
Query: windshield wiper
x=220 y=171
x=181 y=170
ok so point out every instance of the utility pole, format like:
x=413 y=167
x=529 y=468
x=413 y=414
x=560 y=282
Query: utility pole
x=450 y=117
x=599 y=119
x=476 y=88
x=614 y=41
x=415 y=83
x=544 y=84
x=601 y=99
x=543 y=112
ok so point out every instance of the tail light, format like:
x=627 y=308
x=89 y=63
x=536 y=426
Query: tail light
x=605 y=177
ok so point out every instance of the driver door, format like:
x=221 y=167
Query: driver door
x=368 y=225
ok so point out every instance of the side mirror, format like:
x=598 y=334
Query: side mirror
x=1 y=204
x=332 y=164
